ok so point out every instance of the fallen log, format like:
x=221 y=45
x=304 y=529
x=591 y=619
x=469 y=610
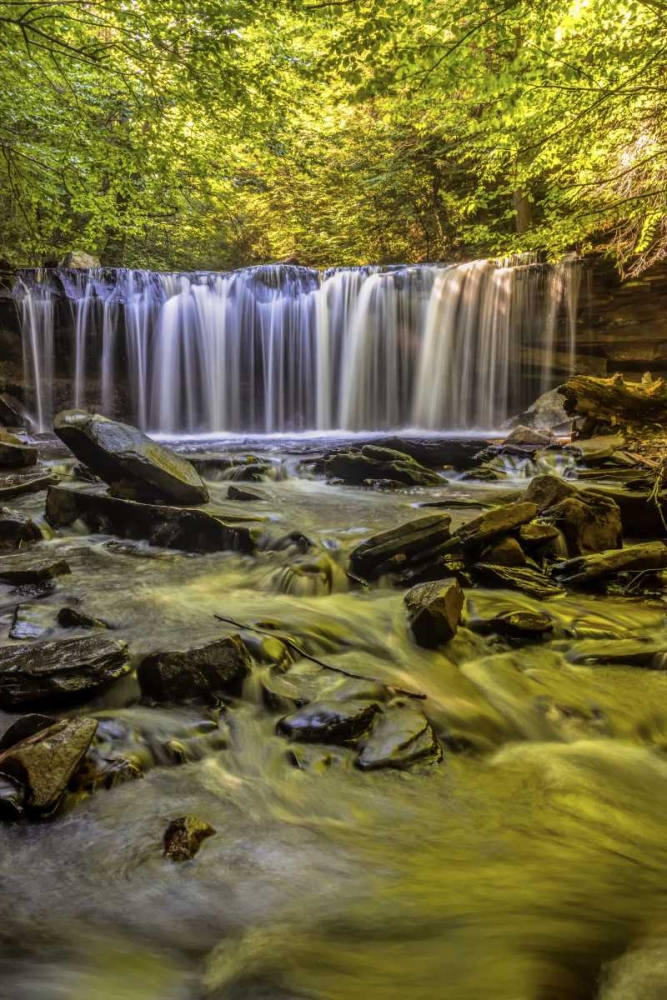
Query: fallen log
x=613 y=399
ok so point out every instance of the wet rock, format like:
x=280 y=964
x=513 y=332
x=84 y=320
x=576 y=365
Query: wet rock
x=436 y=453
x=399 y=548
x=27 y=568
x=189 y=530
x=523 y=578
x=641 y=516
x=545 y=491
x=535 y=536
x=184 y=837
x=601 y=565
x=546 y=413
x=483 y=474
x=71 y=618
x=476 y=534
x=434 y=612
x=23 y=727
x=14 y=453
x=338 y=722
x=12 y=413
x=101 y=771
x=268 y=649
x=399 y=737
x=527 y=439
x=32 y=621
x=63 y=669
x=505 y=552
x=374 y=463
x=237 y=493
x=17 y=530
x=596 y=449
x=200 y=671
x=589 y=522
x=12 y=798
x=528 y=625
x=21 y=484
x=45 y=762
x=134 y=466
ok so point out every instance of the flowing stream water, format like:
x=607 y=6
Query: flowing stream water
x=282 y=348
x=530 y=864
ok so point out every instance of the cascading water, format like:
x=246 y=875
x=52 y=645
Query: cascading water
x=281 y=348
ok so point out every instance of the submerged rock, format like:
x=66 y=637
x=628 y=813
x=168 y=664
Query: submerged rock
x=202 y=671
x=397 y=549
x=631 y=559
x=434 y=612
x=184 y=836
x=475 y=534
x=45 y=762
x=338 y=722
x=399 y=737
x=63 y=669
x=527 y=625
x=32 y=621
x=17 y=530
x=71 y=618
x=237 y=493
x=190 y=530
x=134 y=466
x=29 y=568
x=14 y=453
x=373 y=463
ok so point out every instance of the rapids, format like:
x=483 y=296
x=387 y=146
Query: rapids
x=529 y=865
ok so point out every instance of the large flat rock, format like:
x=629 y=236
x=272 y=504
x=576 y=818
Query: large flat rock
x=187 y=529
x=395 y=550
x=134 y=466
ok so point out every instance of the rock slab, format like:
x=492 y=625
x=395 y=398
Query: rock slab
x=397 y=549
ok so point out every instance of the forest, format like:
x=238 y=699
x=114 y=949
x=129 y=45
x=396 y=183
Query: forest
x=169 y=135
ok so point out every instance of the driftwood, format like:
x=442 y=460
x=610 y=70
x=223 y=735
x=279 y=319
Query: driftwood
x=614 y=400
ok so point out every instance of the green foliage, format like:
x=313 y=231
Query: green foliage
x=223 y=132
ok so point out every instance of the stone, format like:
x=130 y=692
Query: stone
x=45 y=762
x=80 y=259
x=12 y=413
x=211 y=669
x=475 y=534
x=186 y=529
x=436 y=453
x=32 y=621
x=373 y=463
x=547 y=490
x=59 y=670
x=524 y=578
x=23 y=727
x=640 y=514
x=600 y=565
x=21 y=483
x=527 y=625
x=14 y=453
x=134 y=466
x=589 y=522
x=395 y=550
x=504 y=552
x=434 y=612
x=71 y=618
x=535 y=536
x=28 y=568
x=339 y=722
x=17 y=530
x=546 y=413
x=399 y=737
x=527 y=438
x=237 y=493
x=184 y=837
x=596 y=449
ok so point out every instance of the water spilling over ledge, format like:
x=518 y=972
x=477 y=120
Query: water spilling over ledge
x=280 y=348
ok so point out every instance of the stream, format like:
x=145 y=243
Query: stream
x=529 y=864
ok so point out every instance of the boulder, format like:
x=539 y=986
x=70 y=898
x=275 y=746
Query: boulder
x=134 y=466
x=373 y=463
x=546 y=413
x=504 y=552
x=399 y=548
x=434 y=612
x=601 y=565
x=62 y=670
x=17 y=530
x=14 y=453
x=523 y=578
x=545 y=491
x=476 y=534
x=399 y=737
x=184 y=836
x=339 y=722
x=28 y=568
x=80 y=259
x=45 y=762
x=190 y=530
x=590 y=522
x=207 y=670
x=527 y=439
x=642 y=516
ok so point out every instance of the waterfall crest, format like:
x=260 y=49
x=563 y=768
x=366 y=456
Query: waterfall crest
x=279 y=348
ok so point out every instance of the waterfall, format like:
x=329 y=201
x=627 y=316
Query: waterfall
x=279 y=348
